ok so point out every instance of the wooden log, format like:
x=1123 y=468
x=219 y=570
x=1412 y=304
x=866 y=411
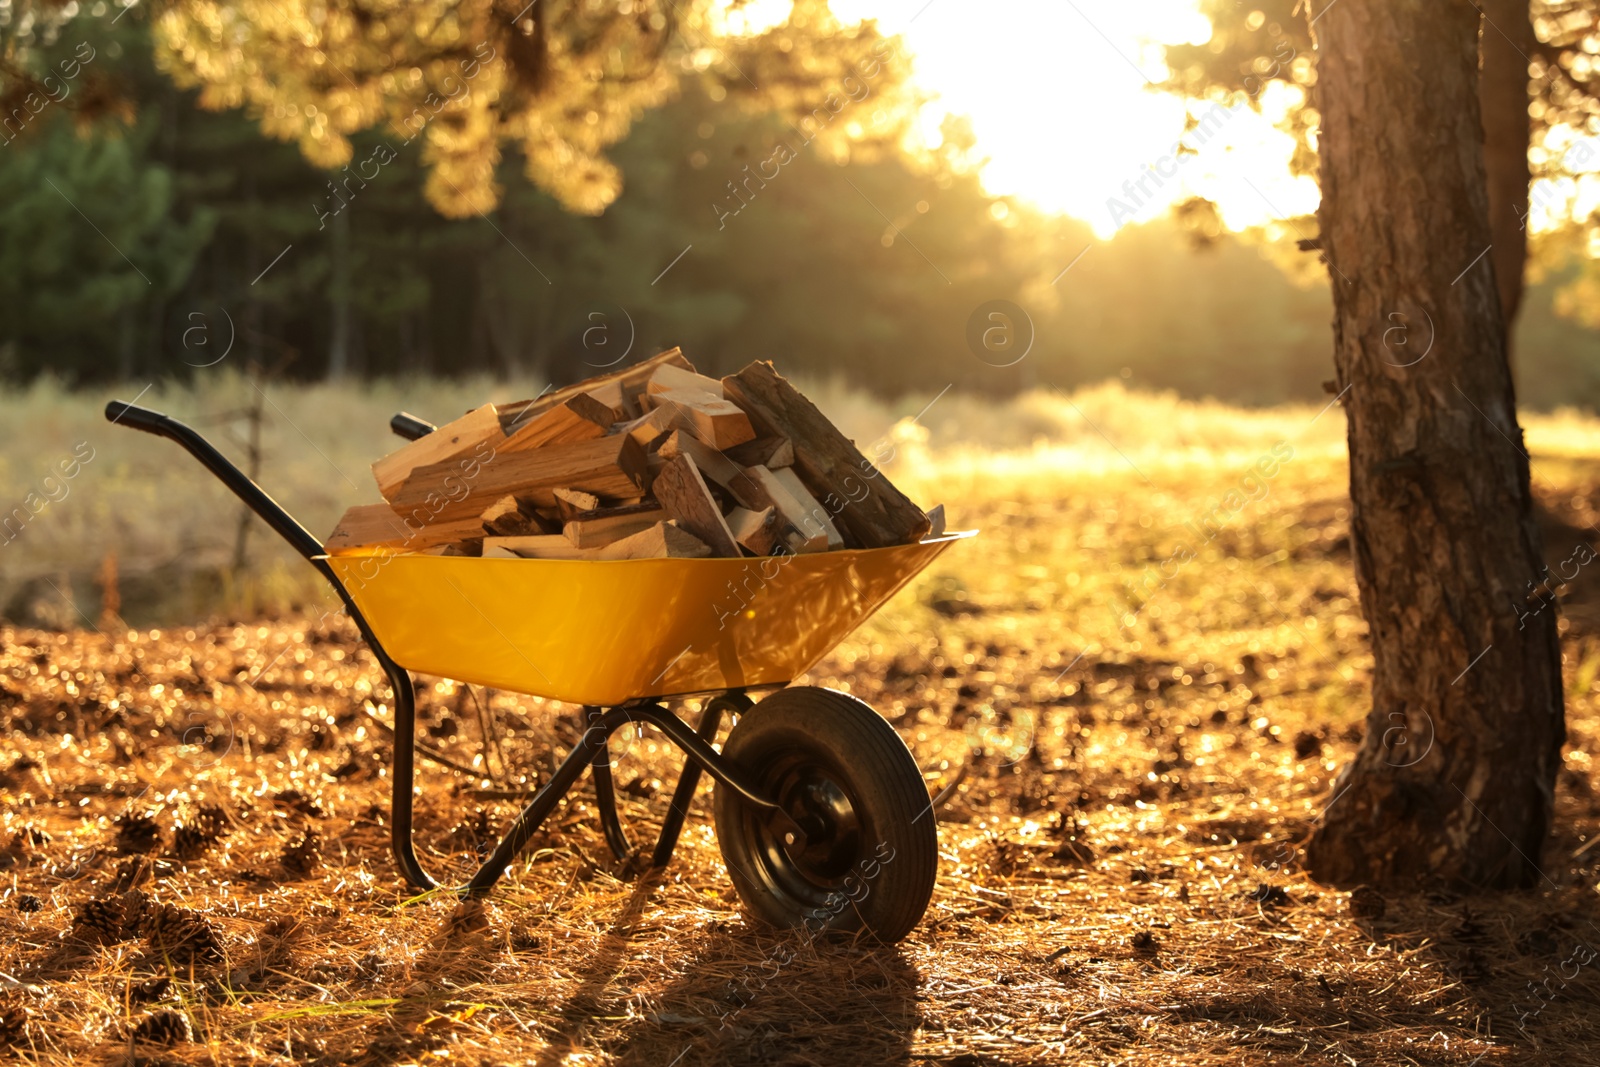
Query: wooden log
x=539 y=546
x=808 y=522
x=663 y=540
x=612 y=398
x=600 y=529
x=684 y=496
x=748 y=491
x=625 y=382
x=713 y=464
x=717 y=422
x=668 y=377
x=578 y=418
x=756 y=530
x=647 y=429
x=571 y=503
x=462 y=548
x=609 y=467
x=817 y=514
x=511 y=517
x=869 y=511
x=773 y=453
x=477 y=431
x=380 y=526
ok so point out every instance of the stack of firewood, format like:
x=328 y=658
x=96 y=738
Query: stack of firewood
x=655 y=460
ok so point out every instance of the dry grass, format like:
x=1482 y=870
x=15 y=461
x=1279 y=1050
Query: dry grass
x=1119 y=878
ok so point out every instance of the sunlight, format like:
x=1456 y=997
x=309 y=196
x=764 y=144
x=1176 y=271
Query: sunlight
x=1081 y=72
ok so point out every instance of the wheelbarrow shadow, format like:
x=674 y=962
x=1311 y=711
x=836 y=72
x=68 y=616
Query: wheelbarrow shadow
x=754 y=995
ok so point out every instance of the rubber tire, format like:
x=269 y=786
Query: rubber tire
x=834 y=739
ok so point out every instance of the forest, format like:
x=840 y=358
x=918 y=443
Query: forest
x=788 y=260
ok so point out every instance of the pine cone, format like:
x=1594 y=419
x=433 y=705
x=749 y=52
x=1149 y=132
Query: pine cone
x=150 y=990
x=292 y=800
x=101 y=920
x=163 y=1028
x=212 y=820
x=24 y=843
x=136 y=906
x=191 y=840
x=137 y=834
x=180 y=934
x=302 y=857
x=132 y=873
x=189 y=843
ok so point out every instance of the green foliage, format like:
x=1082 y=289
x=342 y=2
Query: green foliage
x=741 y=233
x=93 y=237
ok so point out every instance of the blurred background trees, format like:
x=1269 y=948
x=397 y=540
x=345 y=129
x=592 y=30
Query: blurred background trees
x=292 y=202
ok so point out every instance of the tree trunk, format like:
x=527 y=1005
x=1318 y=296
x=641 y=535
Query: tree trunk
x=339 y=299
x=1454 y=780
x=1507 y=41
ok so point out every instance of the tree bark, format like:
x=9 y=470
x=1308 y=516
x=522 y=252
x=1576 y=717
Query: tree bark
x=1507 y=41
x=1453 y=782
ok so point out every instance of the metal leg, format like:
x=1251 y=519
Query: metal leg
x=605 y=796
x=538 y=809
x=405 y=733
x=698 y=751
x=689 y=781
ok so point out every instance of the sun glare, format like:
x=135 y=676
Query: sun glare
x=1059 y=94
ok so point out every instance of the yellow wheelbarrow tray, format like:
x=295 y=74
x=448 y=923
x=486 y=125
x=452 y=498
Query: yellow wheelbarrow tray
x=822 y=814
x=611 y=631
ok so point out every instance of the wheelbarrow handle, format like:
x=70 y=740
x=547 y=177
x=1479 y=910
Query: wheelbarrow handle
x=124 y=414
x=407 y=425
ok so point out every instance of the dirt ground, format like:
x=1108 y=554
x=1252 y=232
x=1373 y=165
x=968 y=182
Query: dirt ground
x=196 y=867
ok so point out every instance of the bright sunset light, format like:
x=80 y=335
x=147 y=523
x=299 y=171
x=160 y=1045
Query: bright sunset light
x=1066 y=114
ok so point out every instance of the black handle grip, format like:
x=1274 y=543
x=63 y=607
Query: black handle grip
x=125 y=414
x=410 y=427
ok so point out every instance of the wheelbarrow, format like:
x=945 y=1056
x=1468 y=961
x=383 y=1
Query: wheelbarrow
x=822 y=816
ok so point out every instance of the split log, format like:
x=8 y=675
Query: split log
x=773 y=453
x=668 y=377
x=870 y=511
x=608 y=467
x=790 y=481
x=750 y=491
x=579 y=418
x=626 y=382
x=599 y=529
x=647 y=429
x=570 y=503
x=663 y=540
x=478 y=431
x=713 y=464
x=684 y=496
x=511 y=517
x=810 y=528
x=611 y=396
x=717 y=422
x=756 y=530
x=539 y=546
x=380 y=526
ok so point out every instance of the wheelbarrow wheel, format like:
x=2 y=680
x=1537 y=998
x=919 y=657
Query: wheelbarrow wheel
x=871 y=851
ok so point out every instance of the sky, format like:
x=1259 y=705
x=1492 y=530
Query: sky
x=1059 y=96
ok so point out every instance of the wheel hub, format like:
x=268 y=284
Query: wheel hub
x=830 y=830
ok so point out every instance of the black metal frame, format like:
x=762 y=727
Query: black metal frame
x=590 y=752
